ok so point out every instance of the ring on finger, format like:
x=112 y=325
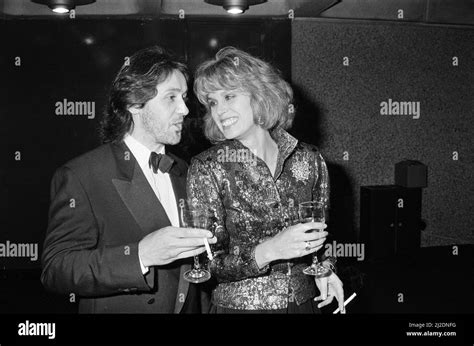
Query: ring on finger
x=308 y=245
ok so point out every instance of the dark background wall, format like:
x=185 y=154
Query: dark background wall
x=402 y=62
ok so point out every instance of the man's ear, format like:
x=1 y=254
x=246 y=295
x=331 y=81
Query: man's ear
x=134 y=110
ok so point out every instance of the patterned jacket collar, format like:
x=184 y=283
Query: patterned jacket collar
x=286 y=145
x=286 y=142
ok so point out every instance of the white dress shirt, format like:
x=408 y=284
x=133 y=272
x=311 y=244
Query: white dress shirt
x=160 y=182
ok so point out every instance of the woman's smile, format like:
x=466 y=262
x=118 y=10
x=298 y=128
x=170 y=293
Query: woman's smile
x=226 y=123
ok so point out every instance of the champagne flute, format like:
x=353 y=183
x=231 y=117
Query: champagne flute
x=198 y=218
x=313 y=211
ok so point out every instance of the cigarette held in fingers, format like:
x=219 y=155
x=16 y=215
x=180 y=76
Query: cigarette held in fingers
x=208 y=249
x=348 y=300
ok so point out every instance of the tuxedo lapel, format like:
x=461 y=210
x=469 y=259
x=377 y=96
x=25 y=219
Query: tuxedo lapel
x=178 y=180
x=144 y=206
x=136 y=192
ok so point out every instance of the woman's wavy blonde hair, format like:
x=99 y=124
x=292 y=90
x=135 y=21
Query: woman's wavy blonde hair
x=233 y=69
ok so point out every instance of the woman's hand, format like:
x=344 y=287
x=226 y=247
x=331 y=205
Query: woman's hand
x=330 y=287
x=292 y=242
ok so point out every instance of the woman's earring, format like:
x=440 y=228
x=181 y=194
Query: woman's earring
x=260 y=122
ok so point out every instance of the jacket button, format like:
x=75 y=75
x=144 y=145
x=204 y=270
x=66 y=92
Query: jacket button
x=151 y=301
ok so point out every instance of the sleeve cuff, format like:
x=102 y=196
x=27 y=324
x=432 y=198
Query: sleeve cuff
x=145 y=270
x=254 y=265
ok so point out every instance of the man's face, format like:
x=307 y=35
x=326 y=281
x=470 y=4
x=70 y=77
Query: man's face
x=160 y=121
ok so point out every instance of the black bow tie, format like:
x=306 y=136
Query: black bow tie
x=160 y=162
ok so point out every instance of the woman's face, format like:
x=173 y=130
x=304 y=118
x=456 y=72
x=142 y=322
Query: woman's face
x=232 y=113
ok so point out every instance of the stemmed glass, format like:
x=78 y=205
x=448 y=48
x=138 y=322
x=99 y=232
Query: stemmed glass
x=313 y=211
x=197 y=218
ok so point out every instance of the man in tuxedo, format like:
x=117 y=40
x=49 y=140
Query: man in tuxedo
x=114 y=238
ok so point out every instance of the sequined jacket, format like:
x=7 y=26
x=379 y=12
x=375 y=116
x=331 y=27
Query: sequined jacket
x=252 y=205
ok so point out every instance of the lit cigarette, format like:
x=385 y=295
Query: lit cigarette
x=208 y=249
x=348 y=300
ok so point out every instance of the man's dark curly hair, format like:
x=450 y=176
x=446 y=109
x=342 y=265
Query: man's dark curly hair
x=134 y=85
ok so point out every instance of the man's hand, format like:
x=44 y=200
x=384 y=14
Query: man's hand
x=168 y=244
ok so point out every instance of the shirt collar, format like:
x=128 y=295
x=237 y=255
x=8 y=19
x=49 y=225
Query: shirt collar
x=141 y=152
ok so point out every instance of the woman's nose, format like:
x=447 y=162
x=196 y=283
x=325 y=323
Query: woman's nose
x=221 y=109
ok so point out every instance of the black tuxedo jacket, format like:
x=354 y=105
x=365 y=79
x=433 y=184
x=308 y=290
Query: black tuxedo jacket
x=101 y=207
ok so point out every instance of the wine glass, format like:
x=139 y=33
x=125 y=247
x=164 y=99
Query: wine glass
x=197 y=218
x=313 y=211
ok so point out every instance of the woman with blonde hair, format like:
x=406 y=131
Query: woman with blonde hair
x=251 y=180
